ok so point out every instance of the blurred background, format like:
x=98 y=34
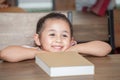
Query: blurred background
x=91 y=19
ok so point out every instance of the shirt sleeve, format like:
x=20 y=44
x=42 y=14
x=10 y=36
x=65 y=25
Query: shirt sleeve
x=26 y=46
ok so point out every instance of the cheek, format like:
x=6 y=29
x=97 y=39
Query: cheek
x=45 y=40
x=67 y=42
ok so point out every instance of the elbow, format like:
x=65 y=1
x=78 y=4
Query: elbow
x=108 y=50
x=105 y=51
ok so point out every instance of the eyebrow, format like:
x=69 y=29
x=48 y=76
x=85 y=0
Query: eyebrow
x=55 y=30
x=51 y=30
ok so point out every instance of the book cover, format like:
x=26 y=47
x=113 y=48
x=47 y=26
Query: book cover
x=64 y=64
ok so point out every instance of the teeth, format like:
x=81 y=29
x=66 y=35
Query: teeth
x=57 y=47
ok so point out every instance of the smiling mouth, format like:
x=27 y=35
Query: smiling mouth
x=57 y=47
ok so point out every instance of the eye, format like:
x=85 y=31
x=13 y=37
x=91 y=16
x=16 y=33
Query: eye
x=52 y=34
x=64 y=35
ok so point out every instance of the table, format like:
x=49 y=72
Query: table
x=106 y=68
x=12 y=9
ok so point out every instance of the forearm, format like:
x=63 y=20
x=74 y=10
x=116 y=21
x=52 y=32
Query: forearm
x=95 y=48
x=17 y=53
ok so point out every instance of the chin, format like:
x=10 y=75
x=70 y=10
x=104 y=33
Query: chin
x=56 y=50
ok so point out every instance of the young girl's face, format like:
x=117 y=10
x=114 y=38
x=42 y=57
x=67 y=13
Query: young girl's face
x=55 y=36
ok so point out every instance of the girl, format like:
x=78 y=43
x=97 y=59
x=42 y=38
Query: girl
x=54 y=34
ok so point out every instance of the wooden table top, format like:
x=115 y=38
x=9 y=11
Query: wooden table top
x=106 y=68
x=12 y=9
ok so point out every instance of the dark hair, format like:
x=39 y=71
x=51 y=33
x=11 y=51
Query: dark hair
x=52 y=15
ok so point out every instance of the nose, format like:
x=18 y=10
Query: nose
x=58 y=39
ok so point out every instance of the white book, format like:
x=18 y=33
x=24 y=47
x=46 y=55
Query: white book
x=64 y=64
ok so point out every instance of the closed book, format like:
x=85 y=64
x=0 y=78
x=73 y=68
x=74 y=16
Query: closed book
x=64 y=64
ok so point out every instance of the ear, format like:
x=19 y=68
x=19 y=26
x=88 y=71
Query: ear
x=37 y=40
x=73 y=42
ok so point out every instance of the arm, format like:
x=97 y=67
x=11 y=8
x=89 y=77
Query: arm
x=95 y=48
x=17 y=53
